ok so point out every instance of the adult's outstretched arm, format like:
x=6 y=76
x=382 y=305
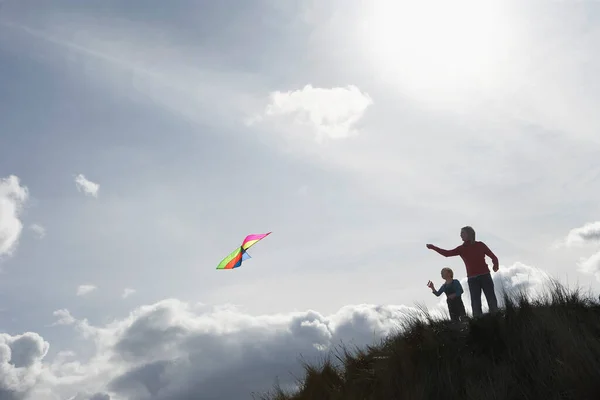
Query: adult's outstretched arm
x=445 y=253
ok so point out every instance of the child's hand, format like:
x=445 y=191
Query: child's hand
x=430 y=285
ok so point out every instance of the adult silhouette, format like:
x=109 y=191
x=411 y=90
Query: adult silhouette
x=479 y=277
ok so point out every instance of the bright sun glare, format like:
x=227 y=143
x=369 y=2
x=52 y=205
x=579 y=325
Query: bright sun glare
x=443 y=49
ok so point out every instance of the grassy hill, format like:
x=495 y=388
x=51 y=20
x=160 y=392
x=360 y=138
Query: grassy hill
x=544 y=348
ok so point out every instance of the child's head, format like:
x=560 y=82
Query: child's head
x=447 y=273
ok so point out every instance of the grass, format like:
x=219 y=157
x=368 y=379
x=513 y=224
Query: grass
x=542 y=348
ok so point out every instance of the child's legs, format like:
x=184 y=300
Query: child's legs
x=456 y=309
x=475 y=292
x=451 y=310
x=487 y=284
x=461 y=308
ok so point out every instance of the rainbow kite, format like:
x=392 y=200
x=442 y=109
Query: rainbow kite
x=239 y=255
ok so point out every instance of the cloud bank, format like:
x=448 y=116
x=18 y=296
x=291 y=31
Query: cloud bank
x=175 y=350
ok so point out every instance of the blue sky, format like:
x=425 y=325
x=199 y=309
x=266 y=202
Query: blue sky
x=356 y=131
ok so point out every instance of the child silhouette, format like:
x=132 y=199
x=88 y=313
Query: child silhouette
x=453 y=290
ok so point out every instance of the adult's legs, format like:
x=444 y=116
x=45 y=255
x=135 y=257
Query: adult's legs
x=487 y=284
x=461 y=309
x=475 y=292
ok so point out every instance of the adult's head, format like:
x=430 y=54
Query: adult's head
x=467 y=234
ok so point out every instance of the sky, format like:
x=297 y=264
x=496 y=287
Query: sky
x=141 y=141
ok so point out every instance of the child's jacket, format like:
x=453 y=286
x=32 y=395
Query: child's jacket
x=454 y=287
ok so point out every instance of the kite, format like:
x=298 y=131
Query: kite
x=239 y=255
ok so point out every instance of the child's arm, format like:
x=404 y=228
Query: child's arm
x=439 y=292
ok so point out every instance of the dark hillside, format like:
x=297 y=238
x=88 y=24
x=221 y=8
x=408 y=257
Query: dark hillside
x=547 y=348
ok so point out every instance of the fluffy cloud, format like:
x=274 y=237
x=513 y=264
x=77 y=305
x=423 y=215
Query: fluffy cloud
x=12 y=198
x=20 y=364
x=511 y=280
x=521 y=278
x=82 y=290
x=591 y=265
x=587 y=233
x=175 y=350
x=331 y=113
x=88 y=187
x=64 y=317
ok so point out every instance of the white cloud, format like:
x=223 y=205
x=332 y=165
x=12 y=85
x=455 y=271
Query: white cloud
x=331 y=113
x=191 y=347
x=513 y=279
x=20 y=363
x=82 y=290
x=587 y=233
x=64 y=317
x=197 y=348
x=591 y=265
x=128 y=292
x=88 y=187
x=39 y=230
x=12 y=198
x=522 y=278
